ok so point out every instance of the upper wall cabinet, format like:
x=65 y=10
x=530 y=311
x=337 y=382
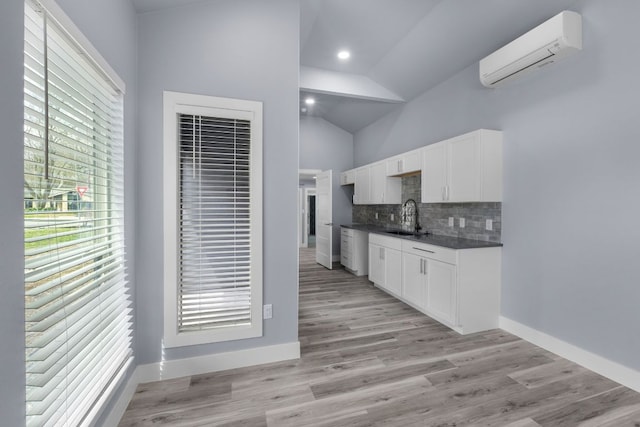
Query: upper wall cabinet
x=361 y=190
x=410 y=162
x=373 y=187
x=348 y=177
x=467 y=168
x=384 y=189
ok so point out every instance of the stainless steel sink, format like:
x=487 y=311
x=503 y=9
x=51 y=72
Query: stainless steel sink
x=400 y=233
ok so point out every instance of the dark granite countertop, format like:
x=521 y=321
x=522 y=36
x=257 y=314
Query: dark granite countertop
x=431 y=239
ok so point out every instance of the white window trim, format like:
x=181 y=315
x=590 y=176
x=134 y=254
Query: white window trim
x=176 y=103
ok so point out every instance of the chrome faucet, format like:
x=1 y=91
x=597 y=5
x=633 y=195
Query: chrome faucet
x=409 y=215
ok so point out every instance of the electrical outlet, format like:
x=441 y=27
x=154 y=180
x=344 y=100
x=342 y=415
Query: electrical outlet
x=376 y=215
x=393 y=217
x=267 y=311
x=450 y=221
x=461 y=222
x=489 y=224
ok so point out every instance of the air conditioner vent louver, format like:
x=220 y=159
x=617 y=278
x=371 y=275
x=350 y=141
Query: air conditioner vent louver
x=556 y=38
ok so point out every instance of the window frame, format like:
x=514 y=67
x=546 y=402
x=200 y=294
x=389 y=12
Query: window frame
x=175 y=103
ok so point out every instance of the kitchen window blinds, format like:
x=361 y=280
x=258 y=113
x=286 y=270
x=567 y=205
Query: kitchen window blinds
x=217 y=281
x=78 y=325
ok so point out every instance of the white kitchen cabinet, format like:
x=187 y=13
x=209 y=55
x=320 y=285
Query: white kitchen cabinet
x=384 y=189
x=434 y=173
x=467 y=168
x=376 y=264
x=459 y=288
x=361 y=189
x=393 y=271
x=414 y=280
x=385 y=263
x=405 y=163
x=354 y=251
x=348 y=177
x=441 y=295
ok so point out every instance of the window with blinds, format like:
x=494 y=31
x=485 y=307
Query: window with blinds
x=78 y=325
x=213 y=158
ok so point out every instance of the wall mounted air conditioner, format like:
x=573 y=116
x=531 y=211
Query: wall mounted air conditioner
x=550 y=41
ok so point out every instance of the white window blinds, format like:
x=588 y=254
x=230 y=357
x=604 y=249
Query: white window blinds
x=78 y=326
x=215 y=240
x=217 y=212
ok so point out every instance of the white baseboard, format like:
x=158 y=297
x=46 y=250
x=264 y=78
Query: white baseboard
x=199 y=365
x=217 y=362
x=118 y=409
x=605 y=367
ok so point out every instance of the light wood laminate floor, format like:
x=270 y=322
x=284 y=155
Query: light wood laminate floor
x=370 y=360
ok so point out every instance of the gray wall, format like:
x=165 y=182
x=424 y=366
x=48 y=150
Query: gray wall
x=325 y=146
x=11 y=260
x=571 y=179
x=97 y=21
x=247 y=50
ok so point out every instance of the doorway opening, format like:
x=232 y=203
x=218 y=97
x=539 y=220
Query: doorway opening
x=307 y=203
x=311 y=237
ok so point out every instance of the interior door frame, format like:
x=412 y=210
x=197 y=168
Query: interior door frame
x=304 y=216
x=305 y=175
x=320 y=221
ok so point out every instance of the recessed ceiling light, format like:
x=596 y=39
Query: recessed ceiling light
x=344 y=54
x=309 y=101
x=303 y=109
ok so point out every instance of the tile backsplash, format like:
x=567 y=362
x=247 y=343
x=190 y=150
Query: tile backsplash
x=434 y=217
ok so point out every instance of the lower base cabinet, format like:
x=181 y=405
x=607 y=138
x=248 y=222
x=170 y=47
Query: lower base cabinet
x=441 y=291
x=414 y=280
x=353 y=251
x=458 y=288
x=385 y=263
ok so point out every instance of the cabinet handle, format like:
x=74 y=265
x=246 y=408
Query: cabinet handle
x=421 y=268
x=447 y=191
x=382 y=253
x=425 y=267
x=423 y=250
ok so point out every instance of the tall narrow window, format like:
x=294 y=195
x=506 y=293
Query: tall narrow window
x=213 y=206
x=78 y=326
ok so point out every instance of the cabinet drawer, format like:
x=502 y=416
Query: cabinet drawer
x=345 y=260
x=430 y=251
x=347 y=232
x=385 y=241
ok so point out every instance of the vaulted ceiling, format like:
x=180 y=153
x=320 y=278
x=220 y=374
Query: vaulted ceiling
x=399 y=48
x=403 y=47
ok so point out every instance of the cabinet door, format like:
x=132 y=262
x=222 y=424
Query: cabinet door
x=441 y=291
x=376 y=264
x=394 y=166
x=411 y=162
x=393 y=271
x=378 y=176
x=434 y=173
x=413 y=279
x=361 y=189
x=464 y=166
x=347 y=177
